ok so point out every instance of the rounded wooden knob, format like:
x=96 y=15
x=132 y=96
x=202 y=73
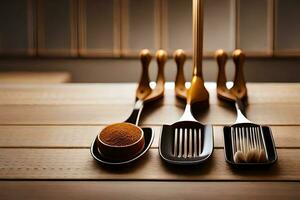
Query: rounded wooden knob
x=161 y=56
x=221 y=57
x=145 y=56
x=180 y=57
x=238 y=57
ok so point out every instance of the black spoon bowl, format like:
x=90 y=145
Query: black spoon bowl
x=96 y=153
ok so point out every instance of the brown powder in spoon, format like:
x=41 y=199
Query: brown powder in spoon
x=120 y=134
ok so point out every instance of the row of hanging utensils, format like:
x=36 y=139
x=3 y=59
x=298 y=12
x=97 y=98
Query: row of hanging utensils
x=247 y=139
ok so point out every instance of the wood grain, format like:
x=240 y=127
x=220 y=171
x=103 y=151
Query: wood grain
x=68 y=164
x=31 y=78
x=147 y=190
x=82 y=136
x=124 y=94
x=272 y=114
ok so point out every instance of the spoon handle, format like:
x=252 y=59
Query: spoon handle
x=158 y=91
x=239 y=88
x=161 y=58
x=221 y=57
x=180 y=89
x=144 y=89
x=197 y=92
x=136 y=112
x=222 y=91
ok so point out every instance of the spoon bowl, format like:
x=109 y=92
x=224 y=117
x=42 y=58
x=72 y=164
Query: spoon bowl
x=120 y=141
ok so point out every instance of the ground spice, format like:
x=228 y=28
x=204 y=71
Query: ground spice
x=120 y=134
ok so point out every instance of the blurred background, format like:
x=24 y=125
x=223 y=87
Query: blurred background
x=99 y=40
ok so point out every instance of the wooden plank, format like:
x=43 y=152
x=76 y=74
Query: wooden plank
x=147 y=190
x=82 y=136
x=98 y=25
x=54 y=136
x=177 y=25
x=33 y=78
x=17 y=28
x=135 y=14
x=287 y=43
x=57 y=33
x=68 y=94
x=255 y=23
x=124 y=93
x=71 y=164
x=272 y=114
x=219 y=22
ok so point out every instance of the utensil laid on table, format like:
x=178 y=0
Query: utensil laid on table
x=245 y=143
x=125 y=142
x=187 y=141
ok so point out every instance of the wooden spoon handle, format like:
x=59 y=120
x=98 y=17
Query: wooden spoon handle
x=144 y=89
x=239 y=88
x=197 y=37
x=222 y=91
x=180 y=89
x=158 y=91
x=221 y=57
x=161 y=59
x=197 y=92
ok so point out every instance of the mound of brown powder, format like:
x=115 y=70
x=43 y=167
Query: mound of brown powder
x=120 y=134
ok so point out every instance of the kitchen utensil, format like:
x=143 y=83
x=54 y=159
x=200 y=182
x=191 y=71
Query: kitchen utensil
x=247 y=139
x=245 y=143
x=142 y=93
x=199 y=96
x=186 y=141
x=180 y=89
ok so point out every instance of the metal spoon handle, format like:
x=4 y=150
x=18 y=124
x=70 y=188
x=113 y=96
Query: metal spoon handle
x=136 y=112
x=240 y=109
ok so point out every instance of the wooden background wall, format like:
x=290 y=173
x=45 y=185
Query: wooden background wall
x=51 y=32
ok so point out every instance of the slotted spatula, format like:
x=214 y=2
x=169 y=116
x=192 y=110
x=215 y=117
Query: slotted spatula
x=187 y=141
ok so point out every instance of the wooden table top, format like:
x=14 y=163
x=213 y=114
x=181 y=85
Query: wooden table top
x=46 y=132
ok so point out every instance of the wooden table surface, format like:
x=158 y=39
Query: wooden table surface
x=46 y=131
